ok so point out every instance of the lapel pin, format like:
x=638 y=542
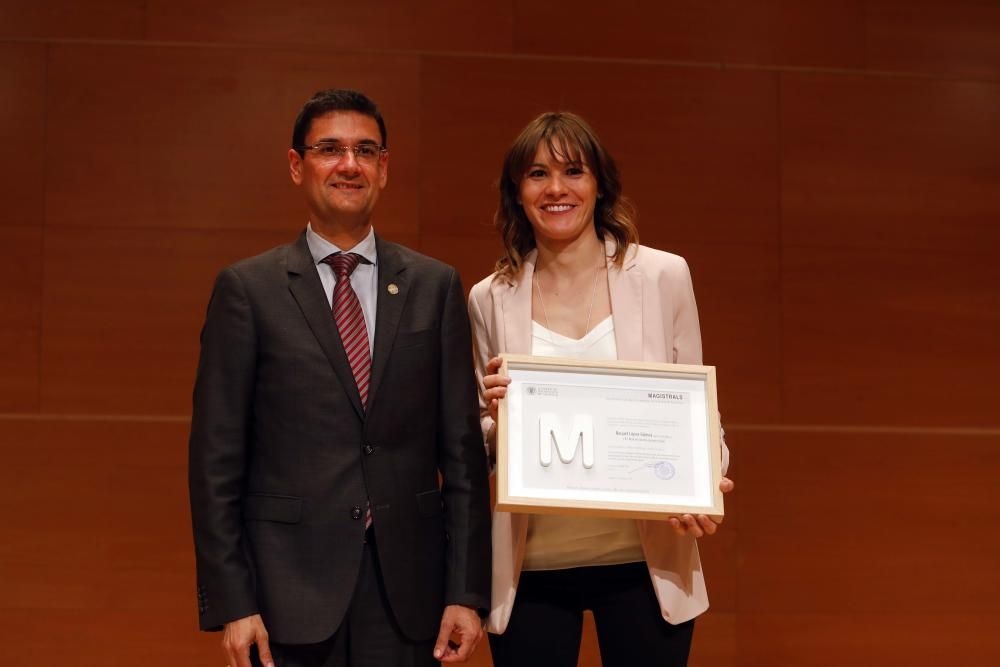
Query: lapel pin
x=392 y=288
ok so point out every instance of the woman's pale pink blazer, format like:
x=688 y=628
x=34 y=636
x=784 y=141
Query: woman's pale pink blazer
x=655 y=319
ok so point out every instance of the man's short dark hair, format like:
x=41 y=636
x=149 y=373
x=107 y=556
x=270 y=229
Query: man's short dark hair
x=328 y=101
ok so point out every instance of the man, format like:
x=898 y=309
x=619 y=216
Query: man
x=335 y=384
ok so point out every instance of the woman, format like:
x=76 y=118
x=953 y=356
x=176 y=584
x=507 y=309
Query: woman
x=574 y=282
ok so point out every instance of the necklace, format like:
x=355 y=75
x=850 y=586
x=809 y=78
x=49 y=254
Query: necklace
x=545 y=314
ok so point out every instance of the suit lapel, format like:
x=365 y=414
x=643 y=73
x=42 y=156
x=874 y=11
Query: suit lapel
x=625 y=285
x=516 y=307
x=307 y=290
x=389 y=308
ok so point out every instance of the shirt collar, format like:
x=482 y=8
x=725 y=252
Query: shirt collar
x=320 y=248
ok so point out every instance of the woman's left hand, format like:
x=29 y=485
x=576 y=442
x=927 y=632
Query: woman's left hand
x=700 y=525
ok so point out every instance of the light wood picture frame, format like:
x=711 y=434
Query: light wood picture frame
x=608 y=438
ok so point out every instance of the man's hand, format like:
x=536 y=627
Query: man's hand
x=700 y=525
x=464 y=625
x=238 y=637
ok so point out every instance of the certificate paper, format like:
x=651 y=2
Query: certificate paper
x=611 y=438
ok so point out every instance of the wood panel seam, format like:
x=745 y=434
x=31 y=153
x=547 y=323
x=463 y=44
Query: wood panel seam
x=864 y=429
x=64 y=417
x=416 y=53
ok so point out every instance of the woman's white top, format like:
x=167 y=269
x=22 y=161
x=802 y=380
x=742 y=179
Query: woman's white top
x=556 y=542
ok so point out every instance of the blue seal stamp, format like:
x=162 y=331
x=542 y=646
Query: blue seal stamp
x=664 y=470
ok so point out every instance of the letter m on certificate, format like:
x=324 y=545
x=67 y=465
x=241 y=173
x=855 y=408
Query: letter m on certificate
x=580 y=437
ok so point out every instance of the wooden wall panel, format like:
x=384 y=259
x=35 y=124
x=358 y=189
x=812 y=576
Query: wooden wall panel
x=868 y=523
x=737 y=288
x=473 y=256
x=901 y=639
x=123 y=309
x=720 y=562
x=823 y=32
x=715 y=639
x=590 y=655
x=430 y=25
x=20 y=317
x=68 y=19
x=890 y=337
x=111 y=637
x=874 y=162
x=206 y=146
x=97 y=547
x=696 y=148
x=481 y=656
x=22 y=133
x=955 y=38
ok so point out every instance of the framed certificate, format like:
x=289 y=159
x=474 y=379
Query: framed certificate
x=612 y=438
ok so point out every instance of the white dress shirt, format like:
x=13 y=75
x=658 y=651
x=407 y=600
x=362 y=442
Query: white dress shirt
x=364 y=279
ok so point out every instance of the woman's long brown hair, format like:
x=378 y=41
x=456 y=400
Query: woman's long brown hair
x=569 y=138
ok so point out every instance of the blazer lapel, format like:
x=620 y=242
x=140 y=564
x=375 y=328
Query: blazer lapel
x=389 y=308
x=307 y=290
x=516 y=307
x=625 y=285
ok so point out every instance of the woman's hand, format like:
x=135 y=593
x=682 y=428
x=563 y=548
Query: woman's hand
x=701 y=525
x=495 y=386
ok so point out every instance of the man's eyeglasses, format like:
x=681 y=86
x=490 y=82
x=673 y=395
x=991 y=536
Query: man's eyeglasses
x=332 y=152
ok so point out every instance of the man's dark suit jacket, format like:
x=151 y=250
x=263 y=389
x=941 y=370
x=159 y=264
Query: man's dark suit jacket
x=283 y=459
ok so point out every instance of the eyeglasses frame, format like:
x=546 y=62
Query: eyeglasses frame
x=382 y=150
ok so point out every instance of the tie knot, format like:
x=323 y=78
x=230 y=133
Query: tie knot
x=343 y=263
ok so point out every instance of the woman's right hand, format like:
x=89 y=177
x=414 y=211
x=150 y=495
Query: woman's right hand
x=495 y=386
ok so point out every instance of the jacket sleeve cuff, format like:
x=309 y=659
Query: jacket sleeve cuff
x=471 y=600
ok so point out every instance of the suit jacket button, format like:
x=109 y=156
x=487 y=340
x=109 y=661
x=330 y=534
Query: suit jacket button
x=355 y=512
x=369 y=449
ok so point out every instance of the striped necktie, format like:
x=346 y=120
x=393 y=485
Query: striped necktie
x=351 y=320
